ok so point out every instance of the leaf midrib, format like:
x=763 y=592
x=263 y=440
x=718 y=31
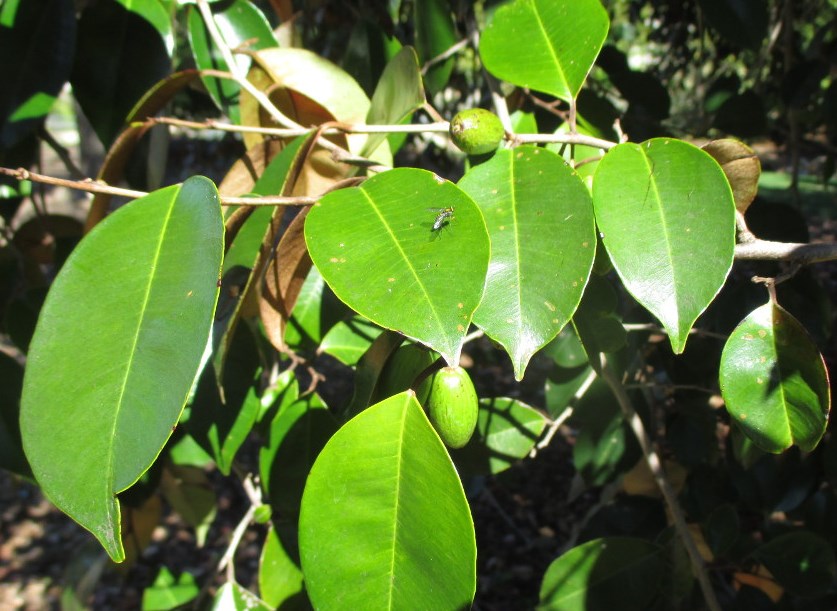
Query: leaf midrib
x=134 y=342
x=549 y=46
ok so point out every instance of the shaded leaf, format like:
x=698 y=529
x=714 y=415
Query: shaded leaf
x=801 y=562
x=41 y=37
x=399 y=93
x=168 y=591
x=610 y=573
x=280 y=578
x=348 y=340
x=506 y=432
x=122 y=49
x=435 y=34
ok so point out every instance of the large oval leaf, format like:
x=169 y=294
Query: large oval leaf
x=613 y=573
x=117 y=347
x=377 y=249
x=385 y=523
x=540 y=219
x=774 y=381
x=667 y=216
x=547 y=45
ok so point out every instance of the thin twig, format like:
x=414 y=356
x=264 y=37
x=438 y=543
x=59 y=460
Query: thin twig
x=653 y=328
x=669 y=496
x=254 y=494
x=91 y=186
x=565 y=139
x=337 y=128
x=565 y=415
x=235 y=69
x=452 y=50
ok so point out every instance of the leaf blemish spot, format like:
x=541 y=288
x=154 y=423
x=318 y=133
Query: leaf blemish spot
x=460 y=305
x=585 y=244
x=762 y=333
x=390 y=279
x=550 y=306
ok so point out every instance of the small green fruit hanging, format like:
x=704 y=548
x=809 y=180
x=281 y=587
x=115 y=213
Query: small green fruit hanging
x=452 y=406
x=476 y=131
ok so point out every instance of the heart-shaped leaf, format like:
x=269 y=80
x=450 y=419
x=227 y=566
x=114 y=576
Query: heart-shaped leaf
x=384 y=511
x=774 y=381
x=540 y=219
x=667 y=216
x=400 y=264
x=117 y=347
x=546 y=45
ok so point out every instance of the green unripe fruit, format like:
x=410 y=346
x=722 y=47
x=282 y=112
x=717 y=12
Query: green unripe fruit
x=452 y=406
x=477 y=131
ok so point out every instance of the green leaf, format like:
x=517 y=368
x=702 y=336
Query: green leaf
x=315 y=313
x=399 y=93
x=280 y=578
x=376 y=247
x=546 y=45
x=237 y=21
x=540 y=220
x=117 y=348
x=800 y=561
x=222 y=415
x=348 y=340
x=123 y=48
x=774 y=381
x=384 y=511
x=232 y=597
x=189 y=492
x=507 y=430
x=435 y=34
x=611 y=573
x=168 y=592
x=668 y=218
x=297 y=434
x=604 y=447
x=41 y=37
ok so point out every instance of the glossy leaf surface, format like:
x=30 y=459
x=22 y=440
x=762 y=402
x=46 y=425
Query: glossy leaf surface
x=539 y=216
x=376 y=247
x=612 y=573
x=384 y=511
x=546 y=45
x=668 y=218
x=774 y=381
x=237 y=22
x=117 y=347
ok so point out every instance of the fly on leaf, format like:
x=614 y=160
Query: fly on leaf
x=443 y=217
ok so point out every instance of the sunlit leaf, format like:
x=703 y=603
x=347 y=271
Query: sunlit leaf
x=384 y=511
x=117 y=347
x=774 y=381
